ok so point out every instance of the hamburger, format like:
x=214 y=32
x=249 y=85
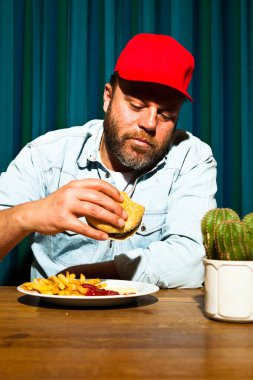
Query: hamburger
x=135 y=213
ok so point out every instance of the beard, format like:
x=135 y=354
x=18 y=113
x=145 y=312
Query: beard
x=127 y=155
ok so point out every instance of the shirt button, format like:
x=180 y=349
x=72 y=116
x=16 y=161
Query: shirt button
x=143 y=228
x=107 y=175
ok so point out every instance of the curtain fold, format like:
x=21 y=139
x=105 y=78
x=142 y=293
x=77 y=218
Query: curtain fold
x=56 y=56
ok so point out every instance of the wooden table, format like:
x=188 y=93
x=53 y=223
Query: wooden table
x=163 y=336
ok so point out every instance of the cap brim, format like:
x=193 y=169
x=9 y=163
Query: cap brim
x=146 y=79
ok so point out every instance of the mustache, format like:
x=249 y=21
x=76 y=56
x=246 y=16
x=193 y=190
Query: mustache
x=141 y=136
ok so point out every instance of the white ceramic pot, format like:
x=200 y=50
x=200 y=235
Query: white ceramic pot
x=229 y=290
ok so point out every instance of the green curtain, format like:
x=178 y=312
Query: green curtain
x=56 y=55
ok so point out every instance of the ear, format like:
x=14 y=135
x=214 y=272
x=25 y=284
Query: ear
x=107 y=96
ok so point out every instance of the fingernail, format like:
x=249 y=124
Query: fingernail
x=121 y=222
x=125 y=214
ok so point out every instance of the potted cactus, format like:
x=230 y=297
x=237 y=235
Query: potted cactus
x=226 y=237
x=228 y=243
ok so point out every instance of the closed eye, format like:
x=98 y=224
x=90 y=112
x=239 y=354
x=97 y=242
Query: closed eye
x=167 y=117
x=136 y=107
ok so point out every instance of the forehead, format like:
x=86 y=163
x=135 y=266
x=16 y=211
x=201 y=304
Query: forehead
x=165 y=96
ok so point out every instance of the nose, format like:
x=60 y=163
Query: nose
x=148 y=118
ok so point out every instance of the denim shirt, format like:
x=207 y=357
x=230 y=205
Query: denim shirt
x=166 y=250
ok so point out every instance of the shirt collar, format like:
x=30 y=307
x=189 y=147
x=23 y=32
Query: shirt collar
x=91 y=148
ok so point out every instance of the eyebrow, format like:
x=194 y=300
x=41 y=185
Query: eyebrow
x=129 y=97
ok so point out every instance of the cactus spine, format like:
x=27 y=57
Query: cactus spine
x=209 y=222
x=230 y=240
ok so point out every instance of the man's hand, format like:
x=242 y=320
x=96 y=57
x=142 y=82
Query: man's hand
x=60 y=211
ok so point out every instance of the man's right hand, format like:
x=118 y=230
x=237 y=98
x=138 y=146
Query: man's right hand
x=60 y=211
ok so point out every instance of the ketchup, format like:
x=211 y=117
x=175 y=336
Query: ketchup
x=94 y=291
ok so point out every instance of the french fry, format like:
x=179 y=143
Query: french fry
x=64 y=279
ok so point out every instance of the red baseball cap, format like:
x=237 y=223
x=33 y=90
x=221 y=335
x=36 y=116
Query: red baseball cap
x=156 y=58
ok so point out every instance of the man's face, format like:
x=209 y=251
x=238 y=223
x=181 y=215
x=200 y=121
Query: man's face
x=139 y=122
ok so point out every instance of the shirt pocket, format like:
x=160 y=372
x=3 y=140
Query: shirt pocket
x=151 y=227
x=72 y=249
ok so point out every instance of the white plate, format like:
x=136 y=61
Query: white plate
x=142 y=289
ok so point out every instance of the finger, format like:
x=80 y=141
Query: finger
x=99 y=213
x=99 y=185
x=97 y=198
x=81 y=228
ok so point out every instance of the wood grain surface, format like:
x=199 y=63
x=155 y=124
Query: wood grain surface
x=162 y=336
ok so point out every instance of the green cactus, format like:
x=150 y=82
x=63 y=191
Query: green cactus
x=248 y=222
x=230 y=238
x=208 y=224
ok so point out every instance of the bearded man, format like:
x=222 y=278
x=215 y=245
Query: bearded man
x=65 y=177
